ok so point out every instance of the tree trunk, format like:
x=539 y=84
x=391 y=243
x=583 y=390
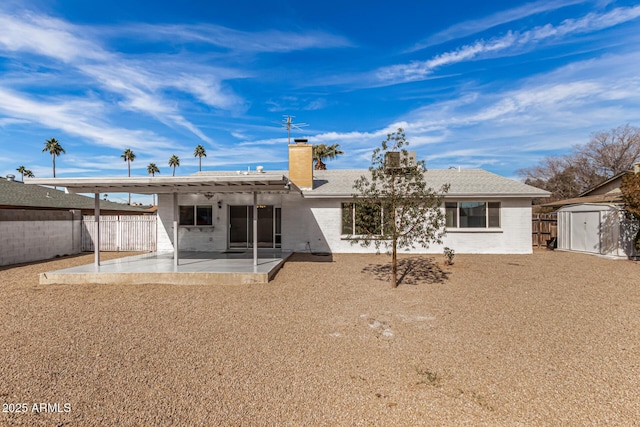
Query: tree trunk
x=320 y=166
x=200 y=164
x=394 y=264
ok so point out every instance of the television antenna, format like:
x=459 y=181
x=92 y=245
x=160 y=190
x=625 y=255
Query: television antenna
x=287 y=123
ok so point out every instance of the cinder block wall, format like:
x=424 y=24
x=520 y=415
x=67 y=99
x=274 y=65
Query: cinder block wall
x=34 y=235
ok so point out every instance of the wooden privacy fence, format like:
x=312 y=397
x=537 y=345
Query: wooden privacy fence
x=120 y=232
x=544 y=227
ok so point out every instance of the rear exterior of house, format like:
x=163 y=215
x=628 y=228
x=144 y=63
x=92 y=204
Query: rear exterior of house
x=305 y=210
x=486 y=213
x=298 y=222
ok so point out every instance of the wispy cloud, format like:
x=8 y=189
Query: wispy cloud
x=48 y=37
x=147 y=84
x=77 y=118
x=292 y=103
x=272 y=41
x=467 y=28
x=542 y=113
x=139 y=83
x=510 y=42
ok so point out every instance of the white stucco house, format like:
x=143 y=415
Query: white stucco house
x=304 y=210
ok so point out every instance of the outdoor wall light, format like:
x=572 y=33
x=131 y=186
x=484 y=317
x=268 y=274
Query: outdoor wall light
x=208 y=195
x=219 y=204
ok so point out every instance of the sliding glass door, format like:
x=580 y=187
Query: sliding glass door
x=241 y=226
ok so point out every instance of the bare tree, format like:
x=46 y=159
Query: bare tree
x=607 y=154
x=612 y=152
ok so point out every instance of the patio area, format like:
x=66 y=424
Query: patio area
x=231 y=267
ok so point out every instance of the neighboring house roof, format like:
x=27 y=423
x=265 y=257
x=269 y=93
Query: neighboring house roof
x=596 y=198
x=606 y=192
x=463 y=183
x=15 y=194
x=610 y=185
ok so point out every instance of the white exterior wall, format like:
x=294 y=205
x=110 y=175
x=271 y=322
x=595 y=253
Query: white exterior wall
x=513 y=236
x=315 y=225
x=204 y=238
x=319 y=222
x=37 y=235
x=311 y=223
x=165 y=222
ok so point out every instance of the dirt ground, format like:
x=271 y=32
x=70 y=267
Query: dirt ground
x=551 y=338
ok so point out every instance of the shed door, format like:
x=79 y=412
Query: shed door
x=585 y=231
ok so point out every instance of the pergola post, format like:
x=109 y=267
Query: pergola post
x=96 y=219
x=176 y=253
x=255 y=228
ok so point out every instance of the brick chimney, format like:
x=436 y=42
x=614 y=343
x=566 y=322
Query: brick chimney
x=301 y=164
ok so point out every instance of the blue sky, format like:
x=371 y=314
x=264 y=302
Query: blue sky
x=493 y=85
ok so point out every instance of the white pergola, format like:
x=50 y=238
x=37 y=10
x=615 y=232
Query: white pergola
x=253 y=183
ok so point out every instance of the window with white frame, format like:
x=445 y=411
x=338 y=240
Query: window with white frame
x=472 y=214
x=198 y=215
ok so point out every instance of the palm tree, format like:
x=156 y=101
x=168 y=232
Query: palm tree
x=128 y=156
x=152 y=170
x=200 y=152
x=22 y=171
x=53 y=146
x=25 y=172
x=323 y=152
x=173 y=162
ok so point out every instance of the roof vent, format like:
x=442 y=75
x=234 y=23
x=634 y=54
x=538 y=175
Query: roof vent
x=636 y=167
x=11 y=177
x=260 y=169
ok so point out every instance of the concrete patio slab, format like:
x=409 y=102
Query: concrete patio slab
x=195 y=268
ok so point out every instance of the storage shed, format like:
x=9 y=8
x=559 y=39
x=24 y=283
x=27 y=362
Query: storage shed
x=601 y=229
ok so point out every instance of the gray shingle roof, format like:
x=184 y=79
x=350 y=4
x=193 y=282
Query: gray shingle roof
x=15 y=194
x=465 y=182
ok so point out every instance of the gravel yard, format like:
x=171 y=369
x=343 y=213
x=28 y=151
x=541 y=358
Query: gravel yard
x=551 y=338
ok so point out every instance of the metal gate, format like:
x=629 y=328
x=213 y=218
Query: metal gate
x=121 y=232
